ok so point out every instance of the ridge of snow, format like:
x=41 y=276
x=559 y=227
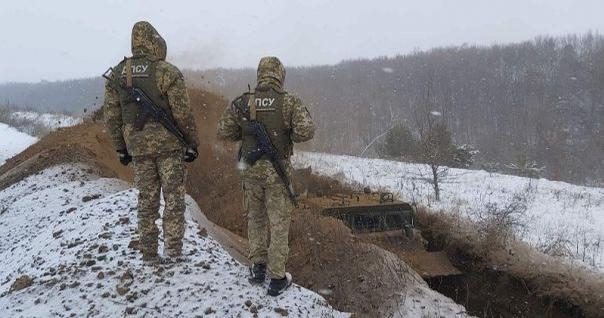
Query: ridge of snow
x=74 y=234
x=13 y=142
x=557 y=211
x=52 y=121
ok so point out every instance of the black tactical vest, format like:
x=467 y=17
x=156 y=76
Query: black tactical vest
x=143 y=77
x=269 y=112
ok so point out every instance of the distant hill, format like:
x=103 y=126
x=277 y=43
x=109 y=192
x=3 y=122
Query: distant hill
x=71 y=96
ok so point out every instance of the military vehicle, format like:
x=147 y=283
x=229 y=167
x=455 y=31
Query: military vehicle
x=378 y=218
x=370 y=212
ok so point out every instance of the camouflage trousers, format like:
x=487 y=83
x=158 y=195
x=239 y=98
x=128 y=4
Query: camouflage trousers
x=268 y=210
x=155 y=174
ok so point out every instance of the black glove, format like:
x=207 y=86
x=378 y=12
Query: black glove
x=124 y=157
x=190 y=154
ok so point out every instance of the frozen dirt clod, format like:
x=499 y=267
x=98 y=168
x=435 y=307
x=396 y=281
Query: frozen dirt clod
x=21 y=283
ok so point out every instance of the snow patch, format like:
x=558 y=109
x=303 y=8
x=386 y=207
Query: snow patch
x=13 y=142
x=52 y=121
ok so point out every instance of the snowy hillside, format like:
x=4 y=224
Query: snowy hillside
x=67 y=248
x=560 y=217
x=13 y=142
x=51 y=121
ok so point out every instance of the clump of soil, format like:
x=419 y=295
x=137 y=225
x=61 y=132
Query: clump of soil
x=21 y=283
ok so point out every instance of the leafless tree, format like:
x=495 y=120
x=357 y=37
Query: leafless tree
x=435 y=151
x=434 y=137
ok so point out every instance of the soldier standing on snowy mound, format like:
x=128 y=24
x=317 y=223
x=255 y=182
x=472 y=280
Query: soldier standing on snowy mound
x=157 y=154
x=266 y=198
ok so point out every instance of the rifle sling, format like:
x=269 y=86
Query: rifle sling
x=251 y=103
x=128 y=73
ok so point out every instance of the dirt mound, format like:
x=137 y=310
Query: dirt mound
x=351 y=275
x=86 y=143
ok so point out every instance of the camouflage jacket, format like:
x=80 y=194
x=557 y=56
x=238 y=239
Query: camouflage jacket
x=153 y=138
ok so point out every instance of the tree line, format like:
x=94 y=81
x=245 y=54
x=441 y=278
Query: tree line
x=70 y=97
x=535 y=107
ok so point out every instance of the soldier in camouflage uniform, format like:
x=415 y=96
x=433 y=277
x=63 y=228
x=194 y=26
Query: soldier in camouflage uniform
x=157 y=154
x=266 y=199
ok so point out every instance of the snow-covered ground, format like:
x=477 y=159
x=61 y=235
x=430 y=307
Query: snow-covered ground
x=74 y=233
x=560 y=216
x=51 y=121
x=13 y=142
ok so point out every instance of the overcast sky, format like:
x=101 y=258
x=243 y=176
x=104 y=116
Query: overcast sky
x=63 y=39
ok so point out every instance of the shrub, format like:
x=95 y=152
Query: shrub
x=399 y=143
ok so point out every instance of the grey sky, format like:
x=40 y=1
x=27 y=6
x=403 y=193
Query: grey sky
x=63 y=39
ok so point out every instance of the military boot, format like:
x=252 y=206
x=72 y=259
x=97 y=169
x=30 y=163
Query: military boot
x=151 y=259
x=173 y=252
x=278 y=286
x=149 y=253
x=174 y=255
x=257 y=274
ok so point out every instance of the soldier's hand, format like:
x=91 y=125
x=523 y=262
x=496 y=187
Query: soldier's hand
x=124 y=157
x=190 y=154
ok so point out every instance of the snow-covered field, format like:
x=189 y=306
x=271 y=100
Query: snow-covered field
x=560 y=217
x=51 y=121
x=72 y=233
x=13 y=142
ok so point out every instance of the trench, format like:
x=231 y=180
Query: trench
x=488 y=292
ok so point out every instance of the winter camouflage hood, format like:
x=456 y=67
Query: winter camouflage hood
x=147 y=41
x=271 y=72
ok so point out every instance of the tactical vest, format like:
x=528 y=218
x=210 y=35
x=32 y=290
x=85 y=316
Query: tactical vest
x=269 y=112
x=143 y=77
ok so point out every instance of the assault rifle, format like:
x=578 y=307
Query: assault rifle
x=265 y=147
x=147 y=107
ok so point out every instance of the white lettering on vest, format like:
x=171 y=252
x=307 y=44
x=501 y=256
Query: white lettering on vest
x=136 y=69
x=264 y=102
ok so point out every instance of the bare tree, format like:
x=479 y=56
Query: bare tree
x=435 y=149
x=434 y=137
